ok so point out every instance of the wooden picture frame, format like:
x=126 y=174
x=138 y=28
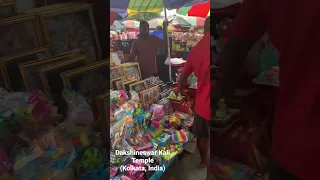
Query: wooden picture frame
x=138 y=86
x=126 y=85
x=92 y=77
x=50 y=74
x=132 y=71
x=150 y=96
x=117 y=57
x=14 y=80
x=61 y=24
x=20 y=33
x=116 y=72
x=113 y=82
x=30 y=70
x=7 y=8
x=104 y=118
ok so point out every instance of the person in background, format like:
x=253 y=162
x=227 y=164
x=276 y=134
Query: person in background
x=294 y=31
x=144 y=50
x=199 y=63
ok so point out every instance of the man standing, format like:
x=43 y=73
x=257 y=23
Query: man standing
x=293 y=28
x=145 y=49
x=199 y=63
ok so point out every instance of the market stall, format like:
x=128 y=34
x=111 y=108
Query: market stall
x=146 y=117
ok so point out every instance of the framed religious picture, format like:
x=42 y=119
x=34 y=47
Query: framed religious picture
x=50 y=74
x=30 y=70
x=126 y=85
x=138 y=86
x=69 y=26
x=10 y=67
x=90 y=79
x=150 y=96
x=116 y=72
x=132 y=71
x=113 y=82
x=19 y=34
x=119 y=85
x=7 y=8
x=117 y=57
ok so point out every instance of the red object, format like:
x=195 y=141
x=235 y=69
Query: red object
x=294 y=32
x=199 y=10
x=113 y=16
x=199 y=63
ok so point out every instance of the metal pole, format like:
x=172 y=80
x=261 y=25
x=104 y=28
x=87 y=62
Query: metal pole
x=168 y=43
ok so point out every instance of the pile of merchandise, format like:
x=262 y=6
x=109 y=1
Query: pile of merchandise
x=142 y=132
x=32 y=137
x=185 y=41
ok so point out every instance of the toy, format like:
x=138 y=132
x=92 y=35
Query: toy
x=156 y=133
x=163 y=139
x=92 y=158
x=179 y=136
x=222 y=109
x=84 y=140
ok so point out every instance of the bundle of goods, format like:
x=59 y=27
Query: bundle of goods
x=185 y=41
x=150 y=129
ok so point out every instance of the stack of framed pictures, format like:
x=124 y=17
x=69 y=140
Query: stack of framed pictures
x=69 y=26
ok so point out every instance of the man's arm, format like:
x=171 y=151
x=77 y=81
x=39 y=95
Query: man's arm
x=249 y=27
x=133 y=51
x=186 y=71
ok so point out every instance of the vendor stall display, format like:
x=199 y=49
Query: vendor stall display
x=185 y=41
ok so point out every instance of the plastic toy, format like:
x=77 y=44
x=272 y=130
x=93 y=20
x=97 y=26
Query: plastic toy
x=163 y=139
x=92 y=158
x=222 y=109
x=179 y=136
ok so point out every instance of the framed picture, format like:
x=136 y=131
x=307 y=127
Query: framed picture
x=138 y=86
x=7 y=8
x=30 y=70
x=126 y=85
x=116 y=72
x=92 y=78
x=69 y=26
x=104 y=114
x=19 y=33
x=117 y=57
x=113 y=82
x=119 y=85
x=10 y=67
x=150 y=96
x=50 y=74
x=132 y=71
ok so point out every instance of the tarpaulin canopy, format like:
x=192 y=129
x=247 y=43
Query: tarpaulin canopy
x=196 y=22
x=137 y=6
x=198 y=10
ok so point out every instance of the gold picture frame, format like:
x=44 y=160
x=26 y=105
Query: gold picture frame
x=126 y=84
x=96 y=74
x=113 y=82
x=150 y=96
x=71 y=16
x=116 y=72
x=131 y=71
x=138 y=85
x=24 y=34
x=30 y=70
x=117 y=57
x=14 y=81
x=50 y=74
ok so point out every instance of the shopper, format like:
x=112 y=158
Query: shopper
x=199 y=63
x=145 y=50
x=293 y=28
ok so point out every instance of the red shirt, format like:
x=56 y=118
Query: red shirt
x=293 y=28
x=199 y=63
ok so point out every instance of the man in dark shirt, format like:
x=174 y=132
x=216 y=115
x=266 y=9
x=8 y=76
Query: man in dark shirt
x=293 y=27
x=145 y=49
